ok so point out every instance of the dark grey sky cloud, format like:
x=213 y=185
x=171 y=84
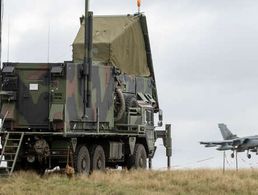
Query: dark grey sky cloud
x=204 y=52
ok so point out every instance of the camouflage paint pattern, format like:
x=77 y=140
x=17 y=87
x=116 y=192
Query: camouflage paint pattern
x=52 y=93
x=102 y=97
x=44 y=96
x=74 y=95
x=29 y=85
x=49 y=97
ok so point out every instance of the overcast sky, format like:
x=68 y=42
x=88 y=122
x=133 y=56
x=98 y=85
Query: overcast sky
x=205 y=58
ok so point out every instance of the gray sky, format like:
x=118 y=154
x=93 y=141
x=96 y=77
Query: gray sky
x=204 y=52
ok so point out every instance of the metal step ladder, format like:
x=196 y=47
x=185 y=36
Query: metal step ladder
x=10 y=151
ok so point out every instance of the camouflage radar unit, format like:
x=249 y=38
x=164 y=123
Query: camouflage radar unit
x=98 y=109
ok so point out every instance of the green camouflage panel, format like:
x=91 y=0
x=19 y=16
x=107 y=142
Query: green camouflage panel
x=50 y=96
x=117 y=40
x=102 y=87
x=103 y=93
x=57 y=96
x=74 y=94
x=28 y=89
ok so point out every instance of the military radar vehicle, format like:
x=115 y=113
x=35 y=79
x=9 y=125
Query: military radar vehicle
x=92 y=112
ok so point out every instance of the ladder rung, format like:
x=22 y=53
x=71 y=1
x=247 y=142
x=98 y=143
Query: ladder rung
x=11 y=146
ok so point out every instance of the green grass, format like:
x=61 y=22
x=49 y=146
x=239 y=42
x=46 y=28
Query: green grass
x=135 y=182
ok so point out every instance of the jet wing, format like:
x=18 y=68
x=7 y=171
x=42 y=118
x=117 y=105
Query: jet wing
x=216 y=143
x=222 y=145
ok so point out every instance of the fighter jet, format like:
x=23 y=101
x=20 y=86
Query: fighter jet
x=234 y=143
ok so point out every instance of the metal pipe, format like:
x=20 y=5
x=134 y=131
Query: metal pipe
x=90 y=40
x=168 y=145
x=169 y=162
x=236 y=161
x=150 y=163
x=88 y=27
x=224 y=161
x=86 y=40
x=85 y=62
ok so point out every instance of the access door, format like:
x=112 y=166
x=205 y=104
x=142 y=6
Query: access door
x=33 y=98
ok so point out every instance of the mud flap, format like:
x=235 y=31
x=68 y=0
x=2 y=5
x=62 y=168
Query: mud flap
x=56 y=112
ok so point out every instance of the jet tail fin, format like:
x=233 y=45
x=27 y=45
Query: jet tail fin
x=225 y=132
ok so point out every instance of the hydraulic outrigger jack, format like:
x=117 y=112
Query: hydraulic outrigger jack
x=167 y=142
x=168 y=145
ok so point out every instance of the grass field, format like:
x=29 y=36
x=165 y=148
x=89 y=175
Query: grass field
x=135 y=182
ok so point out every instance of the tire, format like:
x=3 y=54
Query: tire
x=130 y=102
x=98 y=160
x=82 y=160
x=119 y=106
x=139 y=159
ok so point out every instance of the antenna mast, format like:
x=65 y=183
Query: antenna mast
x=88 y=26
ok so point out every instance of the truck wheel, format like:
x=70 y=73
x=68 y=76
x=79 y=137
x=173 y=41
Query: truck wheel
x=82 y=160
x=139 y=159
x=98 y=159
